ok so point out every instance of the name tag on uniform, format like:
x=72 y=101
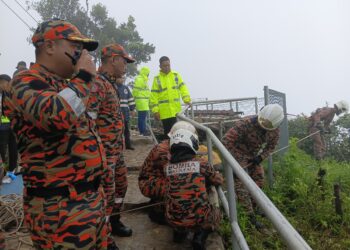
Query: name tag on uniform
x=183 y=168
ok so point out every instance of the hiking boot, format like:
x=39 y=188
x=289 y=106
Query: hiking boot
x=118 y=228
x=179 y=236
x=199 y=239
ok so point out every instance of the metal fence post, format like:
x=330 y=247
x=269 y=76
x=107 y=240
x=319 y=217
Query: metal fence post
x=231 y=202
x=256 y=106
x=270 y=171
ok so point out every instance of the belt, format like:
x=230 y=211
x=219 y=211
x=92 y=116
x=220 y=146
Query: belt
x=80 y=187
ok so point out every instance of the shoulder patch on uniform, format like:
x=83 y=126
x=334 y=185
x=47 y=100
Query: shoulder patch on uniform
x=38 y=85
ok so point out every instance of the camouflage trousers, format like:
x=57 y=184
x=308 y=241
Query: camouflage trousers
x=154 y=187
x=58 y=222
x=256 y=172
x=208 y=215
x=121 y=182
x=319 y=144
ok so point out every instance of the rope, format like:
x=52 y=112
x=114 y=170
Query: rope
x=139 y=208
x=302 y=139
x=11 y=210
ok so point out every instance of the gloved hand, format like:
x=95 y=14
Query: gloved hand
x=216 y=179
x=256 y=161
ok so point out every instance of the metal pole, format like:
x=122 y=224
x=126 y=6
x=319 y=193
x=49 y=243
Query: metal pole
x=290 y=236
x=242 y=243
x=256 y=106
x=231 y=202
x=192 y=113
x=237 y=107
x=270 y=172
x=221 y=128
x=266 y=95
x=210 y=149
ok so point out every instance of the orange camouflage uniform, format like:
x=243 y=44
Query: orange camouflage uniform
x=320 y=120
x=59 y=147
x=245 y=141
x=186 y=202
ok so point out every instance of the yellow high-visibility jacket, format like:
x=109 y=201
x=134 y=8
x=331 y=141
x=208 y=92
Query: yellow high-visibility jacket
x=167 y=89
x=141 y=90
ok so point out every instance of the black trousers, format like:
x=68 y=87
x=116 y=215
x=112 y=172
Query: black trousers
x=8 y=145
x=127 y=134
x=167 y=125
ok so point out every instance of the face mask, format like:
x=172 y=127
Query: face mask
x=75 y=57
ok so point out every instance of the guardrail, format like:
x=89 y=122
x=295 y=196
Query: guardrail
x=289 y=235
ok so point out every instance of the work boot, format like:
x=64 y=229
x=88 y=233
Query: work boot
x=199 y=239
x=112 y=246
x=118 y=228
x=179 y=236
x=157 y=217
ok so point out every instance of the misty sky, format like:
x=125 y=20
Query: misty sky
x=230 y=49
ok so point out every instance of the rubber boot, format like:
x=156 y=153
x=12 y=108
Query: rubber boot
x=199 y=239
x=118 y=228
x=179 y=236
x=112 y=245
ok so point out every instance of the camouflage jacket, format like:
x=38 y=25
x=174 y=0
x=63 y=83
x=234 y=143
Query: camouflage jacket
x=247 y=138
x=322 y=115
x=104 y=108
x=186 y=202
x=57 y=141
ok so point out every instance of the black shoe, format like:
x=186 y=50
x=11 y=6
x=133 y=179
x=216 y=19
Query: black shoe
x=157 y=217
x=199 y=239
x=112 y=246
x=130 y=148
x=118 y=228
x=179 y=236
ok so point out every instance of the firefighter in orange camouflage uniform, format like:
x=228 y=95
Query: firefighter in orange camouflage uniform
x=250 y=141
x=105 y=108
x=62 y=156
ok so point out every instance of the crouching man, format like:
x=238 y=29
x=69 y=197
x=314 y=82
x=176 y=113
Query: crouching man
x=191 y=202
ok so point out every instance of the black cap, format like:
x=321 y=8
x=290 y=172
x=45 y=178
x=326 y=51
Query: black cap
x=5 y=77
x=21 y=63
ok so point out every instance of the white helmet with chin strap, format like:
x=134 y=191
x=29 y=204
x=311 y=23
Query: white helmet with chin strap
x=182 y=125
x=342 y=106
x=271 y=116
x=184 y=133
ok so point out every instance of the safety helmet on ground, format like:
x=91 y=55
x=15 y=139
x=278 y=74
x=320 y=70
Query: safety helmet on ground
x=182 y=125
x=271 y=116
x=184 y=137
x=342 y=106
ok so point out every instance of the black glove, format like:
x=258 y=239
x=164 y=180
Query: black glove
x=256 y=161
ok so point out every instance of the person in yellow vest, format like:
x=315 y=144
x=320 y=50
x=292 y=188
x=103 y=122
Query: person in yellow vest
x=8 y=145
x=167 y=90
x=141 y=95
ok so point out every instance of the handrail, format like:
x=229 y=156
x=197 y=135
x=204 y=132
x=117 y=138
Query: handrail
x=290 y=236
x=197 y=103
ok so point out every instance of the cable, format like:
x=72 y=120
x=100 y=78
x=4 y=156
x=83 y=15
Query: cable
x=26 y=11
x=17 y=15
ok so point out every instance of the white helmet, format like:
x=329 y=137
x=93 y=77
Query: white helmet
x=182 y=125
x=342 y=106
x=271 y=116
x=184 y=136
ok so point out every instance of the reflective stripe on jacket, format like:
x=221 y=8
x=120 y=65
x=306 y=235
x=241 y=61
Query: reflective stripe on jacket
x=167 y=89
x=141 y=90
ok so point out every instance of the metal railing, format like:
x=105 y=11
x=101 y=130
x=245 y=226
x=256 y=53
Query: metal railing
x=229 y=104
x=289 y=235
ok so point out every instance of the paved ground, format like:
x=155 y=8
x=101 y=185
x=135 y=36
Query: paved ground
x=146 y=235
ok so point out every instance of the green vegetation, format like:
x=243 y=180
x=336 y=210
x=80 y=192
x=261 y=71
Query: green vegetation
x=308 y=205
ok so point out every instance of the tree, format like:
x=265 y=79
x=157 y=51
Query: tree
x=100 y=26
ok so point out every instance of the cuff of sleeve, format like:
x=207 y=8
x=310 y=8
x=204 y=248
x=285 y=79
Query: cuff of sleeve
x=84 y=75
